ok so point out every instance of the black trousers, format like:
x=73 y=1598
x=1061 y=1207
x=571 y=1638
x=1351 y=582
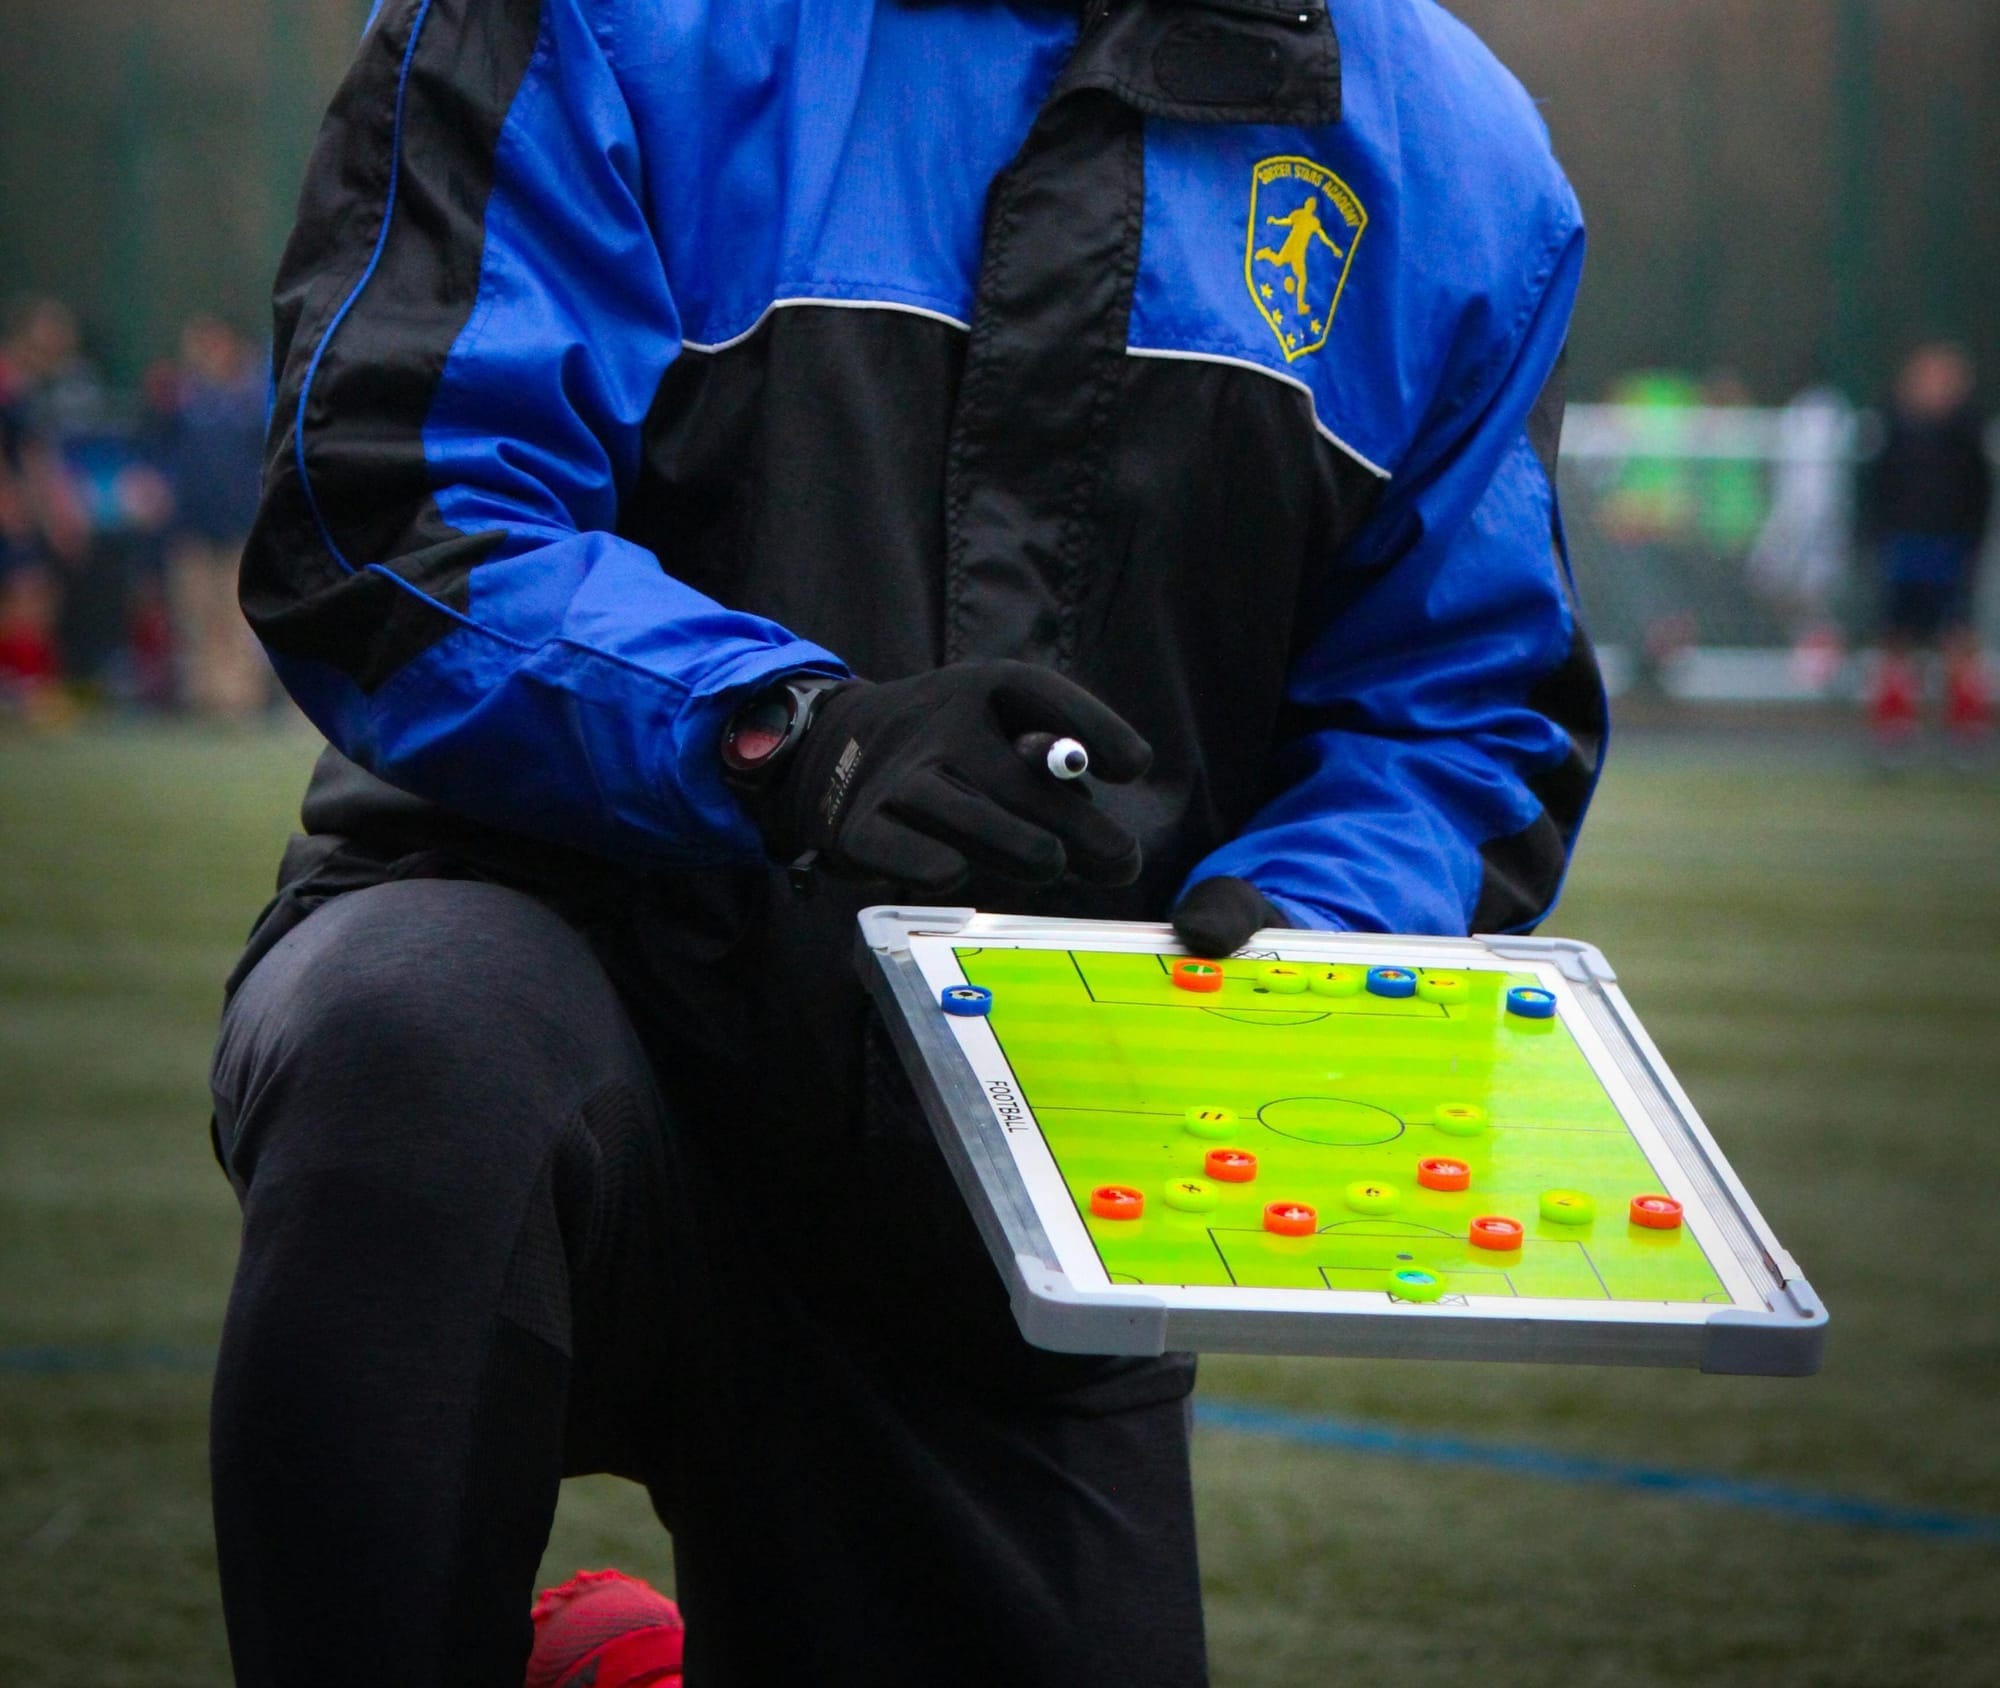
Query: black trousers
x=498 y=1229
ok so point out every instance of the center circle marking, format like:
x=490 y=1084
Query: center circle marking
x=1330 y=1119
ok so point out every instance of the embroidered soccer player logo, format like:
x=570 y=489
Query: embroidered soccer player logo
x=1304 y=226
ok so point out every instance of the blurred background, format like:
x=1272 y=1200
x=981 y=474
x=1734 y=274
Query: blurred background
x=1781 y=378
x=1785 y=201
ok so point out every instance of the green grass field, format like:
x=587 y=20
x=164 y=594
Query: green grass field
x=1817 y=953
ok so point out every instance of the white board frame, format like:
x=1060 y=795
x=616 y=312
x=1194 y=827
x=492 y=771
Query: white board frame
x=1772 y=1325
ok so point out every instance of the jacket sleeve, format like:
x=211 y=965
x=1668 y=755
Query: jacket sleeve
x=472 y=321
x=1447 y=721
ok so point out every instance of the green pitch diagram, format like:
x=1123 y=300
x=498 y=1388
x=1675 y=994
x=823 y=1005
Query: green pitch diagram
x=1292 y=1126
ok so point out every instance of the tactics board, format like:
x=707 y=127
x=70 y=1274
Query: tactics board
x=1330 y=1144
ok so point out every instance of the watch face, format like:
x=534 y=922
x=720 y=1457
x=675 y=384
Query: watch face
x=758 y=732
x=752 y=744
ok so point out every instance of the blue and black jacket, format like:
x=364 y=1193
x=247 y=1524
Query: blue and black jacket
x=634 y=352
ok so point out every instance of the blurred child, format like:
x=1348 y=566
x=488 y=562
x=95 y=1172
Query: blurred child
x=1927 y=498
x=100 y=504
x=1802 y=555
x=217 y=446
x=29 y=665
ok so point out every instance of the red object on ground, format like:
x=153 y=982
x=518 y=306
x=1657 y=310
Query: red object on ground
x=1200 y=976
x=1231 y=1166
x=1435 y=1172
x=1894 y=705
x=1656 y=1213
x=1968 y=698
x=1117 y=1201
x=1496 y=1233
x=606 y=1630
x=1291 y=1219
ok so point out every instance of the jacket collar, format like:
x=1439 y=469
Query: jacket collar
x=1212 y=61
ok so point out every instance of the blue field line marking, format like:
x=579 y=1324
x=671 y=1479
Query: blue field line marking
x=51 y=1360
x=1576 y=1468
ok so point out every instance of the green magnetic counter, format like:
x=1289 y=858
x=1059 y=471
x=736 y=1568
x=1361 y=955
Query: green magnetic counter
x=1451 y=1148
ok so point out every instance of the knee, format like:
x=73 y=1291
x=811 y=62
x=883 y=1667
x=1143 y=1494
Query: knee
x=424 y=1040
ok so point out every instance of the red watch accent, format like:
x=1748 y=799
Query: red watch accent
x=752 y=743
x=769 y=724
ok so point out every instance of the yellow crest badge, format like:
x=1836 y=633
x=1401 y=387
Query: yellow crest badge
x=1304 y=226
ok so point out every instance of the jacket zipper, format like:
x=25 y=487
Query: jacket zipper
x=1303 y=16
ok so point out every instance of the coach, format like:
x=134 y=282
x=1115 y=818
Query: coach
x=849 y=388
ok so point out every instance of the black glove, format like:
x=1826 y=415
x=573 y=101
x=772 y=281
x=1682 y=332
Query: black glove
x=1217 y=916
x=919 y=781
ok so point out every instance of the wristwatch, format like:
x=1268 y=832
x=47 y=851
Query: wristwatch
x=763 y=732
